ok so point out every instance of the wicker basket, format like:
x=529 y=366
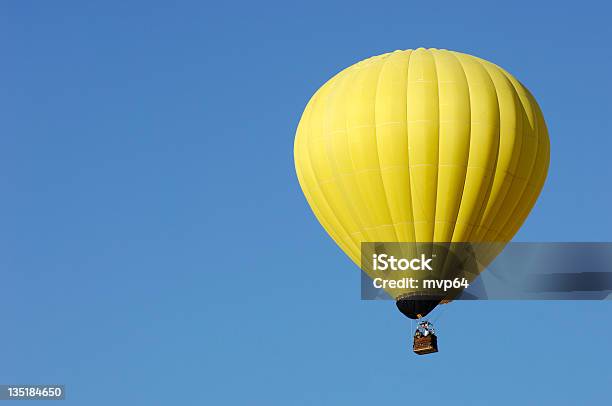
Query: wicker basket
x=425 y=345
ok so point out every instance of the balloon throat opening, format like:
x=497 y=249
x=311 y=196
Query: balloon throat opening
x=416 y=306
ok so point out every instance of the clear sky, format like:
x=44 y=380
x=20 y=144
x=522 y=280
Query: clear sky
x=157 y=249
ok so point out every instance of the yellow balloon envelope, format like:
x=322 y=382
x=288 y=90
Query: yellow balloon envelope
x=423 y=146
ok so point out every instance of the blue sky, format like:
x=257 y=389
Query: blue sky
x=156 y=248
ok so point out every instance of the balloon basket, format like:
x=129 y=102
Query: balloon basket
x=425 y=345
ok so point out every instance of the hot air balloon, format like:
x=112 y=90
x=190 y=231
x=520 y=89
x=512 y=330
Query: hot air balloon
x=421 y=146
